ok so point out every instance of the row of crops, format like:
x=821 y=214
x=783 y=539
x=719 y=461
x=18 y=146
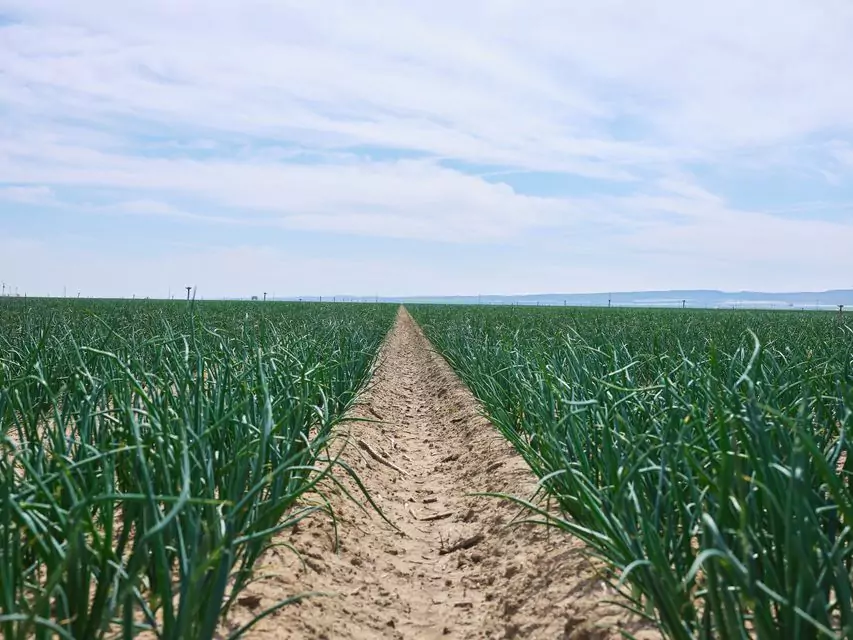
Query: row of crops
x=149 y=452
x=704 y=456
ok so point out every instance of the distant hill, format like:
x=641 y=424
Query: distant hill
x=693 y=298
x=672 y=298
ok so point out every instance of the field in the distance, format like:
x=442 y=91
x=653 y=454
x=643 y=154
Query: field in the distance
x=152 y=452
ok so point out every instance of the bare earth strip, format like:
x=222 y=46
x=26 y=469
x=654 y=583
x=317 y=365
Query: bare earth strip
x=509 y=582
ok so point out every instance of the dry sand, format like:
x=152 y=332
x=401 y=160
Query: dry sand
x=511 y=582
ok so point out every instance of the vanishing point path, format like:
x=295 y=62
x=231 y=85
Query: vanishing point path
x=452 y=568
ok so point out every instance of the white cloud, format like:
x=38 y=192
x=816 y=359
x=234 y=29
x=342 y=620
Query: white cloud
x=843 y=153
x=515 y=79
x=245 y=270
x=27 y=194
x=201 y=110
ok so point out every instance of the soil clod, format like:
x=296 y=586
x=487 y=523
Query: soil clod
x=467 y=543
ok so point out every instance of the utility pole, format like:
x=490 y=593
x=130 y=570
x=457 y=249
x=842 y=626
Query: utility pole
x=265 y=296
x=188 y=293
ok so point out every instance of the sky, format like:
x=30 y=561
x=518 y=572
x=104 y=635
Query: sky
x=424 y=147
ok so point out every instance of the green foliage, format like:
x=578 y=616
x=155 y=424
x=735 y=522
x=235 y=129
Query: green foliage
x=150 y=450
x=704 y=455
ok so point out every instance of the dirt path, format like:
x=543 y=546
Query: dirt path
x=510 y=582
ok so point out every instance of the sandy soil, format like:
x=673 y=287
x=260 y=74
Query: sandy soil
x=510 y=582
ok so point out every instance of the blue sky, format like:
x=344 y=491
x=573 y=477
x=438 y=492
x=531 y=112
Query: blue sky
x=425 y=147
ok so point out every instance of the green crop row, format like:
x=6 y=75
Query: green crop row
x=151 y=450
x=705 y=456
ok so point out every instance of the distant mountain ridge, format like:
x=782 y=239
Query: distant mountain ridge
x=692 y=298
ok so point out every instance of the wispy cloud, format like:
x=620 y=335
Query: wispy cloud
x=27 y=194
x=672 y=129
